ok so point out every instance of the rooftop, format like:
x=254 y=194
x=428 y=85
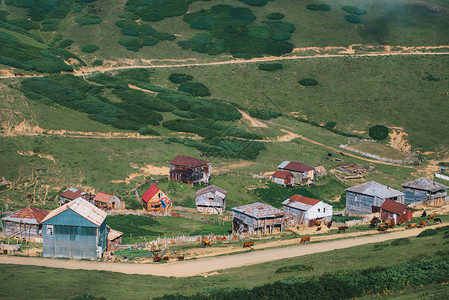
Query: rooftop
x=28 y=215
x=294 y=166
x=425 y=184
x=259 y=210
x=301 y=202
x=103 y=197
x=212 y=189
x=394 y=207
x=375 y=189
x=72 y=193
x=282 y=174
x=187 y=161
x=150 y=193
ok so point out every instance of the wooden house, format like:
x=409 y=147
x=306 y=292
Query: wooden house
x=425 y=191
x=211 y=200
x=307 y=211
x=75 y=230
x=257 y=217
x=72 y=193
x=155 y=200
x=114 y=238
x=190 y=170
x=302 y=174
x=108 y=201
x=24 y=223
x=368 y=197
x=392 y=210
x=283 y=178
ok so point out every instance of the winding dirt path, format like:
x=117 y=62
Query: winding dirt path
x=207 y=265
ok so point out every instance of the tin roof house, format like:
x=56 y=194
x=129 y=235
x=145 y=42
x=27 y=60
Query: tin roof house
x=72 y=193
x=190 y=170
x=155 y=200
x=302 y=174
x=108 y=201
x=211 y=199
x=392 y=210
x=283 y=178
x=425 y=191
x=257 y=217
x=24 y=223
x=307 y=211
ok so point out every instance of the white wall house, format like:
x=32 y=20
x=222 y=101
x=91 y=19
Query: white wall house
x=307 y=211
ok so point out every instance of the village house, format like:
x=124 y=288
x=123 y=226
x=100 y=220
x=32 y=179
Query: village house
x=24 y=223
x=368 y=197
x=306 y=211
x=72 y=193
x=425 y=191
x=211 y=200
x=155 y=200
x=108 y=201
x=392 y=210
x=257 y=217
x=75 y=230
x=114 y=238
x=302 y=174
x=283 y=178
x=190 y=170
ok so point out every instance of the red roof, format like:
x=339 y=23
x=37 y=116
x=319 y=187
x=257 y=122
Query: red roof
x=103 y=197
x=305 y=200
x=71 y=195
x=282 y=174
x=187 y=161
x=30 y=213
x=150 y=193
x=298 y=167
x=394 y=207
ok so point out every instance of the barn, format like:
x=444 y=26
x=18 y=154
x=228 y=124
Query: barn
x=75 y=230
x=190 y=170
x=24 y=223
x=283 y=178
x=302 y=174
x=392 y=210
x=425 y=191
x=108 y=201
x=307 y=211
x=257 y=217
x=155 y=200
x=211 y=200
x=72 y=193
x=368 y=197
x=114 y=238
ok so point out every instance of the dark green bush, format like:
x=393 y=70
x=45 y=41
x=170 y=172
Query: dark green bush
x=255 y=2
x=163 y=36
x=127 y=24
x=275 y=16
x=149 y=41
x=88 y=20
x=131 y=43
x=428 y=232
x=353 y=10
x=278 y=48
x=179 y=77
x=148 y=131
x=98 y=62
x=184 y=114
x=50 y=25
x=196 y=89
x=313 y=6
x=65 y=44
x=24 y=24
x=330 y=125
x=378 y=132
x=90 y=48
x=279 y=30
x=264 y=114
x=430 y=77
x=308 y=82
x=3 y=15
x=400 y=242
x=325 y=7
x=353 y=19
x=271 y=67
x=129 y=31
x=157 y=10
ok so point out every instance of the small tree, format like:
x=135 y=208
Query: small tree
x=378 y=132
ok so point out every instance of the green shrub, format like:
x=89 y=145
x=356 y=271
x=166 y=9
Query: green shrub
x=295 y=268
x=400 y=242
x=24 y=24
x=330 y=125
x=196 y=89
x=430 y=77
x=131 y=43
x=149 y=41
x=325 y=7
x=50 y=25
x=65 y=44
x=179 y=77
x=279 y=30
x=157 y=10
x=264 y=114
x=308 y=82
x=353 y=19
x=313 y=6
x=148 y=131
x=3 y=15
x=255 y=2
x=184 y=114
x=378 y=132
x=428 y=232
x=88 y=20
x=270 y=67
x=98 y=62
x=275 y=16
x=129 y=31
x=90 y=48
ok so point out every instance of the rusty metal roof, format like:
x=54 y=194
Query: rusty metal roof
x=295 y=166
x=259 y=210
x=113 y=234
x=212 y=189
x=394 y=207
x=27 y=215
x=103 y=197
x=72 y=193
x=282 y=174
x=375 y=189
x=83 y=208
x=425 y=184
x=300 y=202
x=186 y=161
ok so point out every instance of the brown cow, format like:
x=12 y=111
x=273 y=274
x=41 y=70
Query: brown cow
x=248 y=244
x=342 y=228
x=180 y=258
x=166 y=258
x=431 y=216
x=382 y=228
x=206 y=242
x=318 y=223
x=329 y=224
x=390 y=224
x=305 y=239
x=318 y=228
x=412 y=225
x=437 y=220
x=422 y=223
x=157 y=259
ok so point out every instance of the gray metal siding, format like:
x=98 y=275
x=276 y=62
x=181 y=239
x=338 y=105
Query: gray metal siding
x=358 y=204
x=414 y=196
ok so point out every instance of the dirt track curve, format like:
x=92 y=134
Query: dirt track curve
x=206 y=265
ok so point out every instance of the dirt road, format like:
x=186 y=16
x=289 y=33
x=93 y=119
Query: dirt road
x=206 y=265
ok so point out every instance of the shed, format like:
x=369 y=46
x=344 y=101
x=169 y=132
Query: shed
x=211 y=199
x=155 y=200
x=108 y=201
x=302 y=174
x=368 y=197
x=258 y=217
x=72 y=193
x=283 y=178
x=425 y=191
x=114 y=238
x=75 y=230
x=190 y=170
x=24 y=223
x=307 y=211
x=392 y=210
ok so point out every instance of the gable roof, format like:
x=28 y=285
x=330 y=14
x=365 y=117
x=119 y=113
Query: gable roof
x=301 y=202
x=72 y=193
x=282 y=174
x=212 y=189
x=113 y=234
x=82 y=207
x=375 y=189
x=186 y=161
x=425 y=184
x=259 y=210
x=394 y=207
x=28 y=215
x=295 y=166
x=150 y=193
x=103 y=197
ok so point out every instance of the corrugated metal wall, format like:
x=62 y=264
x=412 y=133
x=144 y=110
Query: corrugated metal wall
x=357 y=204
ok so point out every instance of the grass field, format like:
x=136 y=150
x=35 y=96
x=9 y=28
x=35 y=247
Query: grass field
x=379 y=149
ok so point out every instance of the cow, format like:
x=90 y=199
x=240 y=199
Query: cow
x=382 y=228
x=157 y=259
x=437 y=220
x=180 y=258
x=342 y=228
x=166 y=258
x=431 y=216
x=422 y=223
x=305 y=239
x=318 y=228
x=318 y=223
x=206 y=242
x=21 y=74
x=424 y=214
x=390 y=224
x=412 y=225
x=248 y=244
x=329 y=224
x=342 y=154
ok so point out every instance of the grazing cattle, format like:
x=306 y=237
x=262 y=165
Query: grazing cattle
x=382 y=228
x=15 y=74
x=180 y=258
x=372 y=225
x=342 y=228
x=431 y=216
x=248 y=244
x=422 y=223
x=305 y=239
x=206 y=242
x=221 y=238
x=342 y=154
x=413 y=225
x=437 y=220
x=157 y=259
x=318 y=223
x=424 y=214
x=390 y=224
x=21 y=74
x=329 y=224
x=166 y=258
x=318 y=228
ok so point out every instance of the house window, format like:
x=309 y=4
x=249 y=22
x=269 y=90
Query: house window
x=211 y=200
x=50 y=229
x=318 y=209
x=324 y=209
